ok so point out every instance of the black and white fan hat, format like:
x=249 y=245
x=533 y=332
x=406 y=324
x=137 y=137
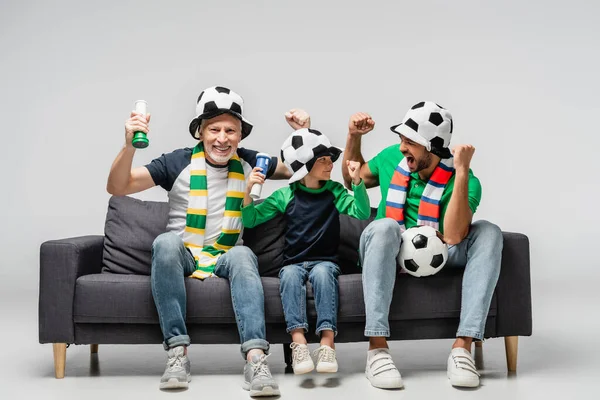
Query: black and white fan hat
x=430 y=125
x=302 y=148
x=215 y=101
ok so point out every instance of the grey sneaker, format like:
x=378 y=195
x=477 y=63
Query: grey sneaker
x=258 y=379
x=177 y=374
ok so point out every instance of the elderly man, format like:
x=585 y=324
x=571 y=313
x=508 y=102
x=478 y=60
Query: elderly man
x=205 y=186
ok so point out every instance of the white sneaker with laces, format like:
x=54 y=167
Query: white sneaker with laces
x=326 y=361
x=381 y=371
x=461 y=369
x=301 y=361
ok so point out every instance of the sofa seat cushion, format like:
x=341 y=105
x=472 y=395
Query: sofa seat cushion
x=118 y=298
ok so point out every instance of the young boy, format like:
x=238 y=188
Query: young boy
x=311 y=204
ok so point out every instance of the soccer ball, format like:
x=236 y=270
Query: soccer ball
x=214 y=101
x=302 y=147
x=218 y=97
x=430 y=125
x=422 y=252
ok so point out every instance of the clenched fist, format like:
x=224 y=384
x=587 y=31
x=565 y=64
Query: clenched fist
x=462 y=156
x=354 y=171
x=136 y=123
x=297 y=118
x=360 y=123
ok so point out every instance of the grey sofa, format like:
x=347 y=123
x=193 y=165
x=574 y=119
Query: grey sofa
x=96 y=290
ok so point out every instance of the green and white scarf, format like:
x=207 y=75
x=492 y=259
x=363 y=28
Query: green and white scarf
x=193 y=236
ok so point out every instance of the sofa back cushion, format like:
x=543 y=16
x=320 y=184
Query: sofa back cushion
x=351 y=229
x=132 y=225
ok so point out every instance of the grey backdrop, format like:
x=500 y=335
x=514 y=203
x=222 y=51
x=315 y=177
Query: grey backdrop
x=520 y=79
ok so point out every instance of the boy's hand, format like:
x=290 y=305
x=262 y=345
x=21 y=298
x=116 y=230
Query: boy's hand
x=354 y=171
x=297 y=118
x=255 y=177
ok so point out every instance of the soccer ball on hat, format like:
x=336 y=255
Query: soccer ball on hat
x=422 y=252
x=218 y=97
x=302 y=147
x=430 y=125
x=215 y=101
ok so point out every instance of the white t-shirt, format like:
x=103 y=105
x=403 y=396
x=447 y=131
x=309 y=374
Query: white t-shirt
x=172 y=172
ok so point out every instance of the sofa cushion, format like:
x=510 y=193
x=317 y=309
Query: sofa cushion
x=267 y=241
x=131 y=227
x=351 y=229
x=115 y=298
x=112 y=298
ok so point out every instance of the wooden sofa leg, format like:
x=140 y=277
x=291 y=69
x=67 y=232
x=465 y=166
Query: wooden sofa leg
x=93 y=348
x=60 y=355
x=511 y=344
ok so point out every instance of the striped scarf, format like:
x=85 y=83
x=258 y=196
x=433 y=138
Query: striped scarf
x=429 y=207
x=195 y=224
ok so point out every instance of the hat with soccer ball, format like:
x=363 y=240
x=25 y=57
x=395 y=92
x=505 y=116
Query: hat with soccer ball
x=430 y=125
x=217 y=100
x=302 y=148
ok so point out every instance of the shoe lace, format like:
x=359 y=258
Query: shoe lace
x=300 y=353
x=261 y=368
x=324 y=354
x=175 y=363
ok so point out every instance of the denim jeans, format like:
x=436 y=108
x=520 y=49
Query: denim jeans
x=292 y=287
x=172 y=262
x=479 y=253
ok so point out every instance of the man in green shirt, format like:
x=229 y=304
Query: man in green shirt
x=424 y=183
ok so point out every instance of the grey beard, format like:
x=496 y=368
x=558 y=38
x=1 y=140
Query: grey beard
x=220 y=159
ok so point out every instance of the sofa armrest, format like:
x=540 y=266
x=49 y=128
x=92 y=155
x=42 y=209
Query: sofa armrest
x=61 y=263
x=513 y=290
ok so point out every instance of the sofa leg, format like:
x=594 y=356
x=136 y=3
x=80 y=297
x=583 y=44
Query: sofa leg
x=60 y=355
x=511 y=344
x=93 y=348
x=287 y=357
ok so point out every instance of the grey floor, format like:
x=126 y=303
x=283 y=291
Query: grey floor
x=561 y=360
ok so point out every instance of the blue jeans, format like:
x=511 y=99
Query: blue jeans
x=323 y=278
x=479 y=253
x=172 y=262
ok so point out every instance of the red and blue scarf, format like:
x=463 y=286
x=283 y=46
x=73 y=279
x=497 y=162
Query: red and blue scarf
x=429 y=207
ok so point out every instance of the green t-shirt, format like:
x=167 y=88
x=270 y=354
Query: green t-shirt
x=383 y=166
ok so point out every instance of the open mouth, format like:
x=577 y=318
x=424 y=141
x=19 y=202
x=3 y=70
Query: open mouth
x=222 y=150
x=411 y=162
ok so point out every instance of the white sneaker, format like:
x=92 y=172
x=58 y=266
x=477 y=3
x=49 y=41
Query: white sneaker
x=381 y=371
x=326 y=361
x=301 y=361
x=461 y=368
